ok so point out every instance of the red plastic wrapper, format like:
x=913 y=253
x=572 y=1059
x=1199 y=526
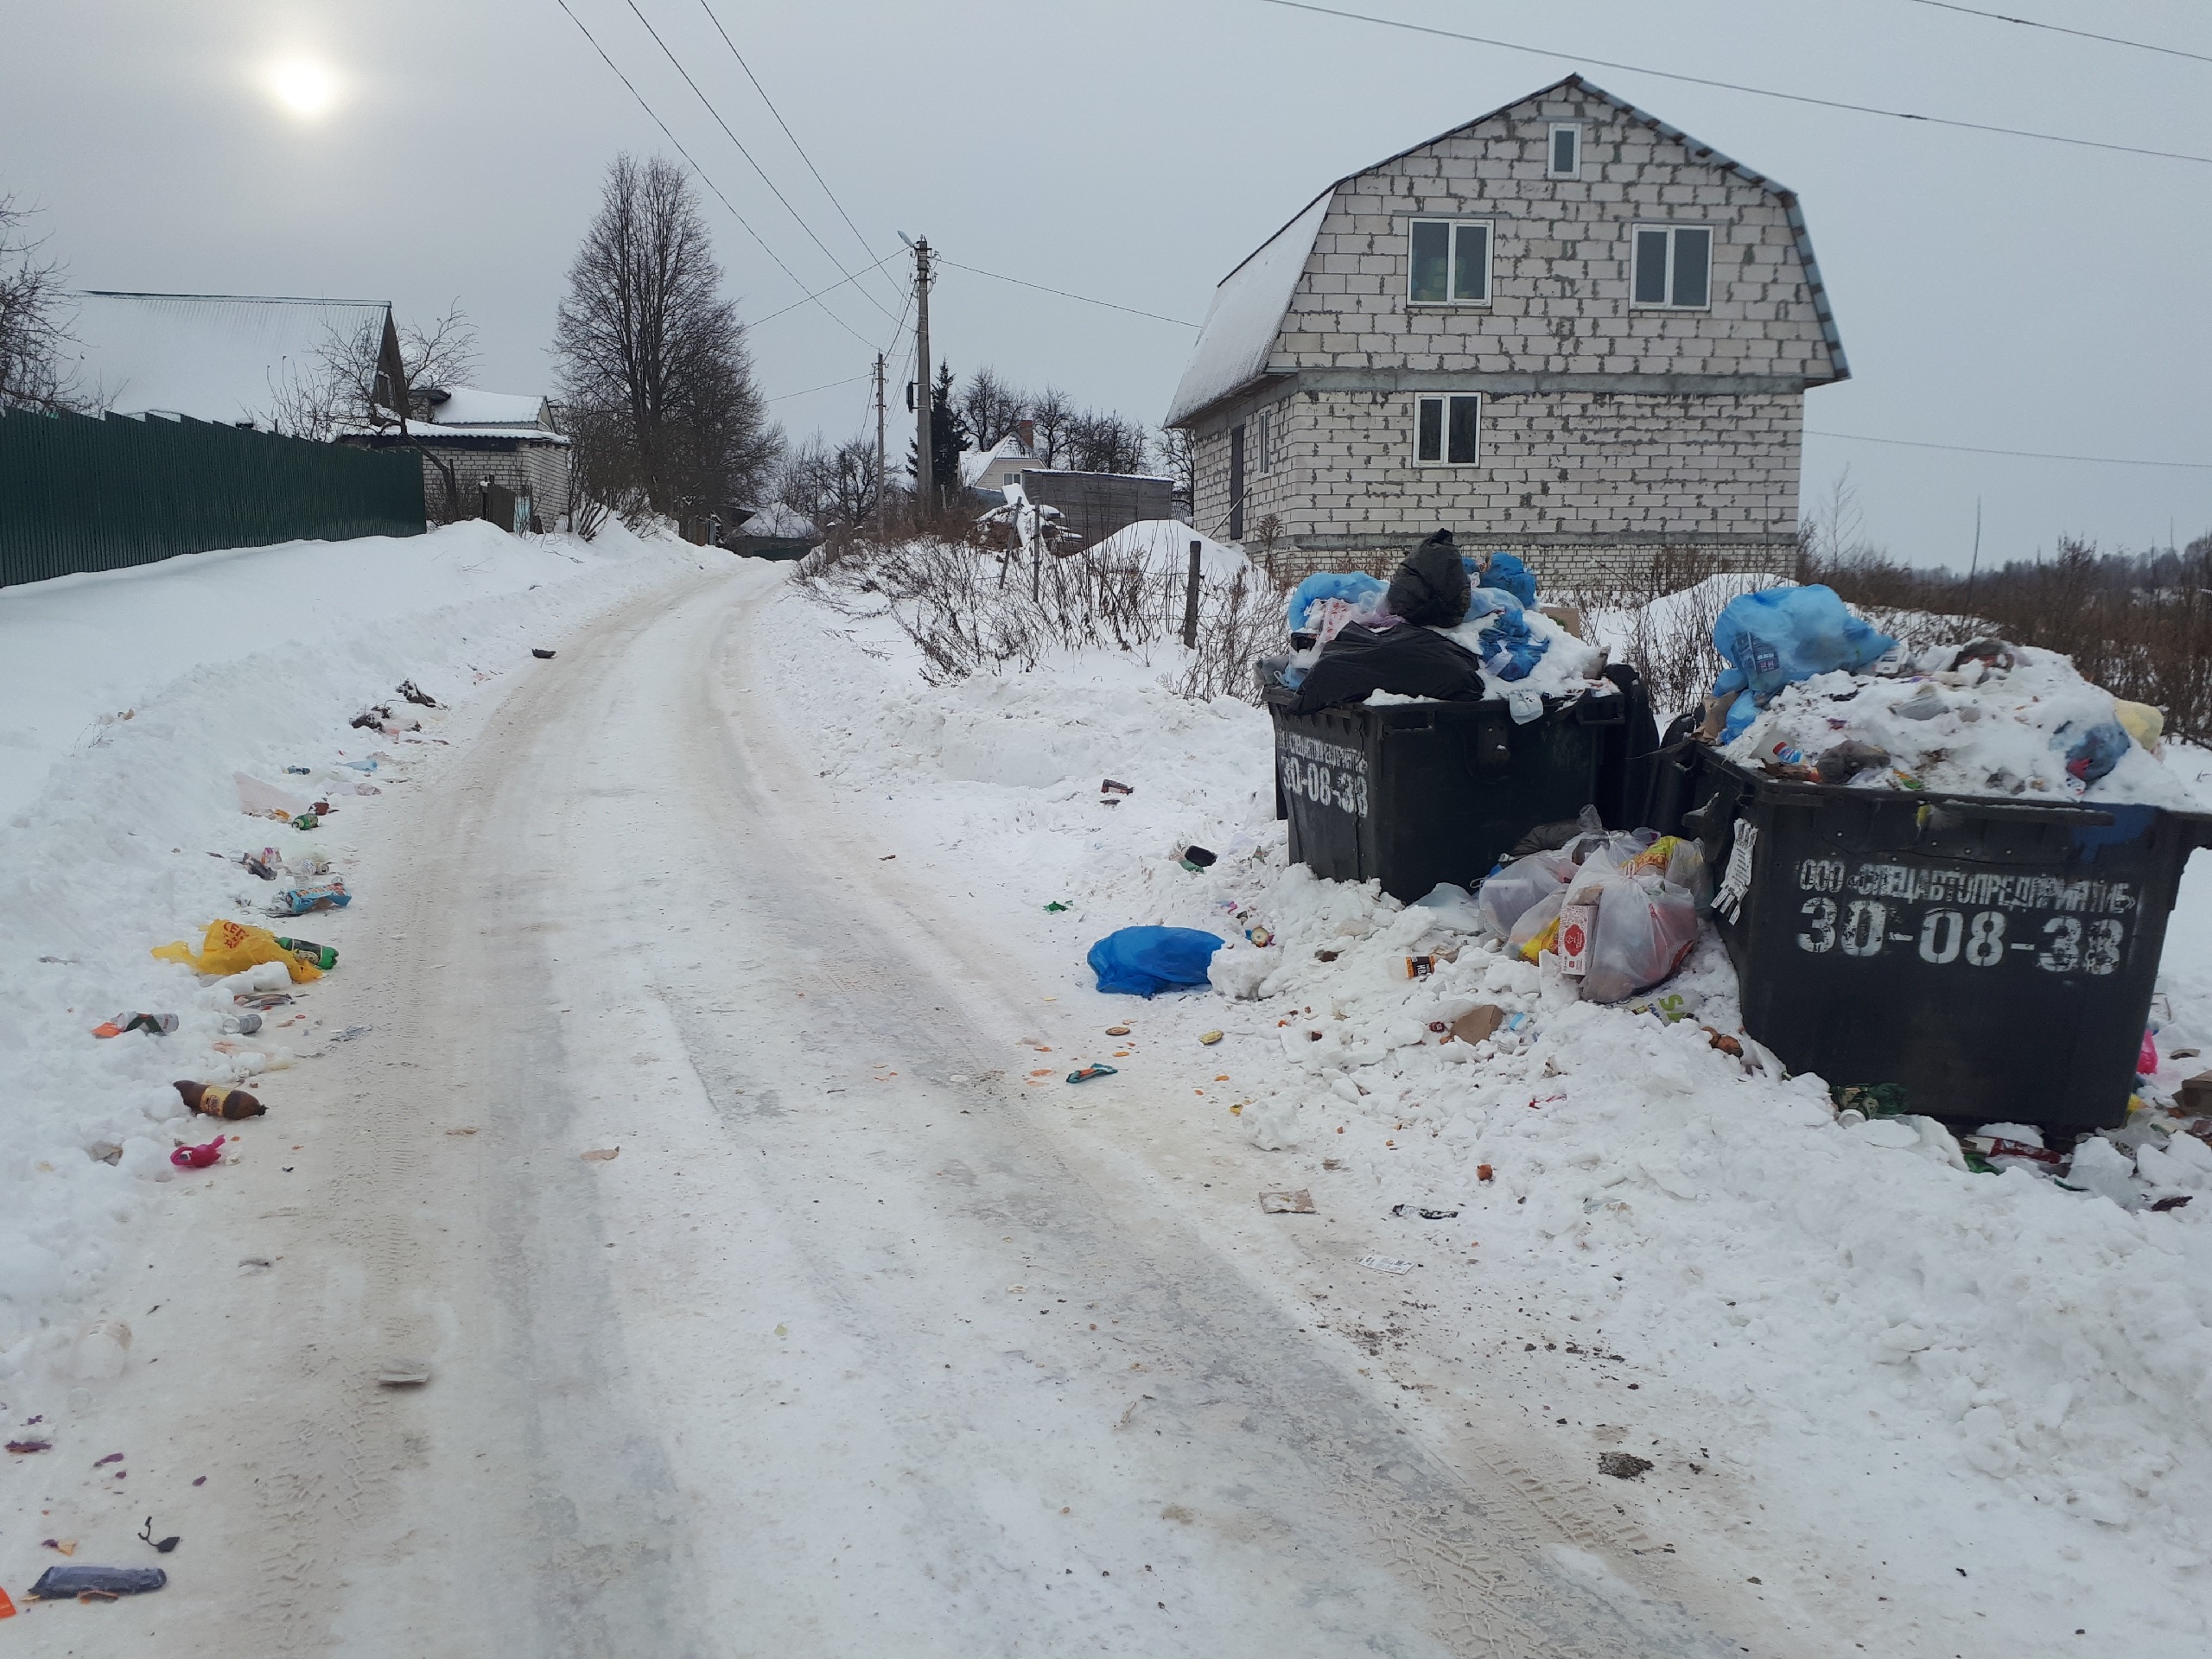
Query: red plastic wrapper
x=200 y=1157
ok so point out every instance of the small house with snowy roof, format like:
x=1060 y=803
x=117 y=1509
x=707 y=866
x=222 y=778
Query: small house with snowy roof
x=1565 y=329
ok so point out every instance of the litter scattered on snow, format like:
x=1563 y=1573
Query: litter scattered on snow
x=1386 y=1264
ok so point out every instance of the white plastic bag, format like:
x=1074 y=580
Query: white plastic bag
x=1508 y=895
x=1646 y=926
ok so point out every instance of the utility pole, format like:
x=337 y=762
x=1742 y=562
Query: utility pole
x=925 y=471
x=1975 y=566
x=881 y=483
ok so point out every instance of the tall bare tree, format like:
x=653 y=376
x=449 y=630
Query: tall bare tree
x=830 y=485
x=990 y=407
x=34 y=315
x=1179 y=458
x=653 y=361
x=1101 y=442
x=1054 y=412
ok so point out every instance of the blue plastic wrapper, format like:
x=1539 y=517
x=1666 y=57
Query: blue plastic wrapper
x=1350 y=585
x=1139 y=961
x=61 y=1583
x=1741 y=713
x=323 y=895
x=2096 y=751
x=1782 y=635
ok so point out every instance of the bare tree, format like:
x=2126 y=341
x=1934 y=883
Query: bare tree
x=1054 y=413
x=1179 y=458
x=832 y=486
x=34 y=317
x=990 y=407
x=653 y=358
x=338 y=390
x=1101 y=442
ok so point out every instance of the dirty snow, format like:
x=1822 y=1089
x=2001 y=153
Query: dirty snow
x=1882 y=1369
x=132 y=698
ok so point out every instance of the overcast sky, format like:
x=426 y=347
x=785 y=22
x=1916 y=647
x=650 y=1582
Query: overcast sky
x=1992 y=292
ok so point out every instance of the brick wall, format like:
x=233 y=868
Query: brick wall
x=538 y=470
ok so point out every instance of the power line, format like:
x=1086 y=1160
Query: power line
x=788 y=133
x=1062 y=293
x=2024 y=454
x=1737 y=87
x=829 y=386
x=2059 y=28
x=819 y=292
x=836 y=263
x=702 y=171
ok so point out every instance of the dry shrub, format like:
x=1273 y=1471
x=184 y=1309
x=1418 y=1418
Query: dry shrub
x=974 y=609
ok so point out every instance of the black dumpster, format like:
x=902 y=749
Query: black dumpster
x=1415 y=794
x=1994 y=959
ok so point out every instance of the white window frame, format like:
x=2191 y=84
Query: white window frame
x=1551 y=150
x=1638 y=231
x=1443 y=400
x=1260 y=442
x=1451 y=258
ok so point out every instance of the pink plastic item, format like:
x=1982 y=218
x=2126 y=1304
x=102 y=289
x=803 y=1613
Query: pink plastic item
x=2147 y=1061
x=200 y=1157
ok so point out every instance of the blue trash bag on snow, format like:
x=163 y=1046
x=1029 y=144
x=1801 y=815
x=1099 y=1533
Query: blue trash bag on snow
x=1350 y=585
x=1508 y=650
x=1139 y=961
x=1779 y=636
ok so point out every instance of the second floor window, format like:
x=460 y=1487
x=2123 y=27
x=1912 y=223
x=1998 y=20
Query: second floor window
x=1674 y=266
x=1450 y=263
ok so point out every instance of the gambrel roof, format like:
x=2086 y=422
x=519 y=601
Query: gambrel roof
x=1249 y=306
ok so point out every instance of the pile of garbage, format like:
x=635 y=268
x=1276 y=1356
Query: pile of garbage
x=1447 y=626
x=1814 y=694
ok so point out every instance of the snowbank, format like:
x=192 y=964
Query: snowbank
x=1161 y=547
x=1886 y=1349
x=131 y=698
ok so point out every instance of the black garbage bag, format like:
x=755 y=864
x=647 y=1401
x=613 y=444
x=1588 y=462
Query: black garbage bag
x=1431 y=588
x=1413 y=662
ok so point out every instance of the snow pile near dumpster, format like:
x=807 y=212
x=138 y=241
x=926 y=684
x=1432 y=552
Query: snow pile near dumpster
x=129 y=702
x=1836 y=1342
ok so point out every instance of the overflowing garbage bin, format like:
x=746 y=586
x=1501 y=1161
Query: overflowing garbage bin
x=1415 y=794
x=1988 y=959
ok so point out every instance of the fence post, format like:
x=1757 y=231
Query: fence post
x=1191 y=602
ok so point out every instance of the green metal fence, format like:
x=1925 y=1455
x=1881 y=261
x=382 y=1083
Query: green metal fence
x=79 y=492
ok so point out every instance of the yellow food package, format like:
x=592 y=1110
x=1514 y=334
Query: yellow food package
x=234 y=947
x=1544 y=938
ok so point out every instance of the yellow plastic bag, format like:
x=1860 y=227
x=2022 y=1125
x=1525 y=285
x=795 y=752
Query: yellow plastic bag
x=234 y=947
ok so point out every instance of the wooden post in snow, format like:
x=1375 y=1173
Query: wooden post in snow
x=1191 y=602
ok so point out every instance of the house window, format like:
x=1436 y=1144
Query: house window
x=1674 y=266
x=1448 y=430
x=1237 y=482
x=1565 y=159
x=1262 y=442
x=1450 y=262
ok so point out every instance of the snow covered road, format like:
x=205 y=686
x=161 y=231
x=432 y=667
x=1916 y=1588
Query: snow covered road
x=855 y=1346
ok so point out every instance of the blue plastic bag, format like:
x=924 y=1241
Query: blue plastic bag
x=2095 y=751
x=1139 y=961
x=1350 y=585
x=1779 y=636
x=1505 y=571
x=1508 y=650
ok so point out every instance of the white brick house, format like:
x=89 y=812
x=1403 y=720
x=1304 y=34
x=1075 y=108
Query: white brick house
x=1565 y=329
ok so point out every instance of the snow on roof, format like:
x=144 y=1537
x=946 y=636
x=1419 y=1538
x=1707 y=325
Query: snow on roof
x=388 y=426
x=215 y=357
x=1248 y=308
x=785 y=522
x=1162 y=547
x=466 y=406
x=973 y=463
x=1246 y=314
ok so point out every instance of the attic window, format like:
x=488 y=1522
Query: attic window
x=1674 y=266
x=1566 y=158
x=1448 y=262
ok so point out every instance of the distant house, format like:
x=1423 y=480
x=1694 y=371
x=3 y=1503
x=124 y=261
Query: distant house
x=1565 y=329
x=238 y=360
x=474 y=443
x=775 y=532
x=1005 y=461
